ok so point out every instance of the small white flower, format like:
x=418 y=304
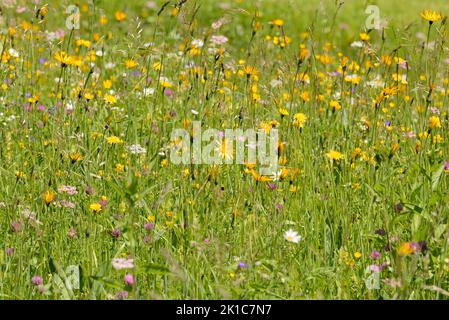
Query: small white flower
x=121 y=263
x=148 y=91
x=292 y=236
x=136 y=149
x=218 y=39
x=14 y=53
x=110 y=65
x=357 y=44
x=197 y=43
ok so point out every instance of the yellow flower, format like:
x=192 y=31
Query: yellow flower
x=283 y=112
x=335 y=155
x=130 y=63
x=300 y=120
x=405 y=249
x=357 y=255
x=107 y=84
x=434 y=122
x=75 y=157
x=431 y=16
x=225 y=149
x=64 y=58
x=110 y=99
x=114 y=140
x=20 y=174
x=120 y=16
x=95 y=207
x=277 y=22
x=364 y=36
x=49 y=196
x=335 y=105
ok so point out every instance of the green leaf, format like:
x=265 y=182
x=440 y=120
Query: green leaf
x=152 y=268
x=436 y=175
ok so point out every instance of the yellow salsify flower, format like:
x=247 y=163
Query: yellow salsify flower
x=110 y=99
x=64 y=58
x=49 y=196
x=283 y=112
x=120 y=16
x=130 y=63
x=335 y=155
x=300 y=120
x=114 y=140
x=20 y=174
x=431 y=16
x=335 y=105
x=405 y=249
x=364 y=36
x=76 y=157
x=95 y=207
x=434 y=122
x=260 y=177
x=277 y=22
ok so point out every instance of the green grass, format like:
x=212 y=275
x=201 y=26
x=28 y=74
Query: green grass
x=208 y=219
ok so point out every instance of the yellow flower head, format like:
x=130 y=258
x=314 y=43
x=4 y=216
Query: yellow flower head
x=277 y=22
x=49 y=196
x=431 y=16
x=405 y=249
x=114 y=140
x=95 y=207
x=120 y=16
x=335 y=155
x=300 y=120
x=434 y=122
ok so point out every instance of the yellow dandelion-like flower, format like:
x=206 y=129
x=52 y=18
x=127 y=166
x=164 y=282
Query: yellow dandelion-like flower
x=120 y=16
x=277 y=22
x=95 y=207
x=114 y=140
x=49 y=196
x=434 y=122
x=405 y=249
x=431 y=16
x=299 y=120
x=335 y=155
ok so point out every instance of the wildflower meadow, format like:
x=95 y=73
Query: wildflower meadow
x=234 y=149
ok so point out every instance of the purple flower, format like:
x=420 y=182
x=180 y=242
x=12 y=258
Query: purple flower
x=149 y=226
x=121 y=295
x=121 y=263
x=37 y=280
x=9 y=251
x=16 y=226
x=387 y=123
x=375 y=255
x=279 y=206
x=446 y=165
x=42 y=60
x=168 y=93
x=380 y=232
x=129 y=279
x=242 y=265
x=378 y=267
x=116 y=233
x=271 y=186
x=398 y=207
